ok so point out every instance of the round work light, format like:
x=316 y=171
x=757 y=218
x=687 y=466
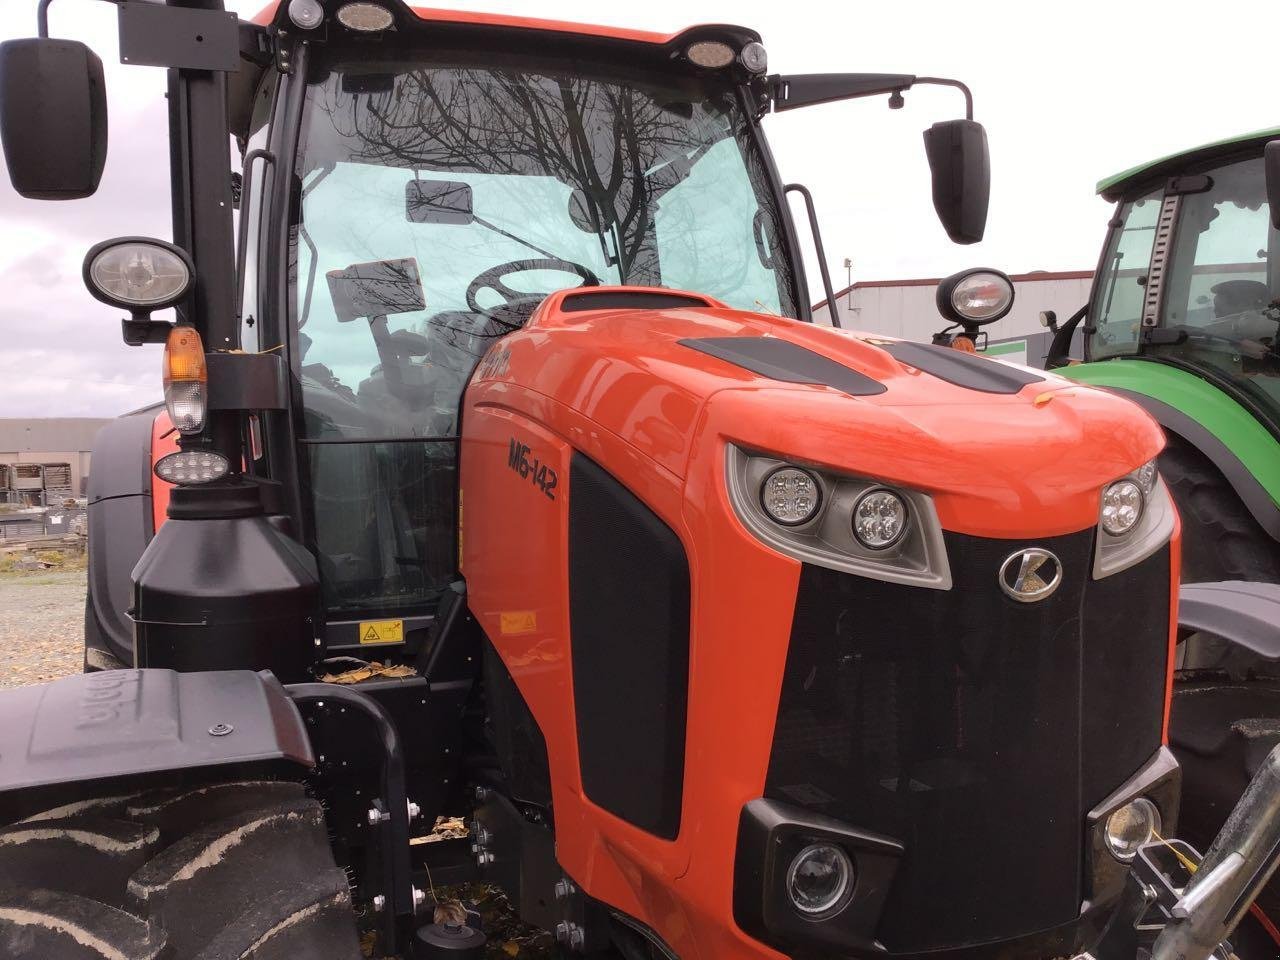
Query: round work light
x=1128 y=828
x=879 y=519
x=192 y=466
x=790 y=496
x=1122 y=504
x=137 y=273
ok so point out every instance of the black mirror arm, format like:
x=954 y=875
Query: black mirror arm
x=1060 y=347
x=42 y=18
x=959 y=85
x=817 y=246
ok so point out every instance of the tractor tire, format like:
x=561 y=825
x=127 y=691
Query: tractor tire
x=1220 y=538
x=224 y=871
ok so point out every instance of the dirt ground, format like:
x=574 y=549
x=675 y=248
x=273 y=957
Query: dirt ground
x=41 y=625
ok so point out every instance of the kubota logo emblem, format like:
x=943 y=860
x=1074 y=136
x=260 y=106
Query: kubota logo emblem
x=1030 y=575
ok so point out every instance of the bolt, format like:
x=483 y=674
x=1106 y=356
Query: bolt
x=220 y=729
x=414 y=810
x=484 y=858
x=562 y=889
x=577 y=937
x=483 y=836
x=481 y=794
x=562 y=932
x=379 y=902
x=419 y=898
x=376 y=816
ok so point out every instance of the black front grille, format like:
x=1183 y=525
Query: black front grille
x=952 y=721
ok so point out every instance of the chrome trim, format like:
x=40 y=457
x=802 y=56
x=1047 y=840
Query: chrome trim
x=918 y=558
x=1112 y=554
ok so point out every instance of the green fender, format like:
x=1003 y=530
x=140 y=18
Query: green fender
x=1229 y=435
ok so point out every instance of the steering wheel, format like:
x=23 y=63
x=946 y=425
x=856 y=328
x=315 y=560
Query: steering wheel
x=517 y=301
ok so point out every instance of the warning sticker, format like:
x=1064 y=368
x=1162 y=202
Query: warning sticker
x=517 y=622
x=382 y=631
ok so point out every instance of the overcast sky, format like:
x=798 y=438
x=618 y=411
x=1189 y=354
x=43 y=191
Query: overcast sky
x=1069 y=93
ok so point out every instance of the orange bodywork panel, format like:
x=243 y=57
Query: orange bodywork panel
x=619 y=387
x=164 y=441
x=437 y=15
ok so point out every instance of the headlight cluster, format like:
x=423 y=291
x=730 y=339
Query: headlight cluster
x=1135 y=519
x=846 y=523
x=1124 y=501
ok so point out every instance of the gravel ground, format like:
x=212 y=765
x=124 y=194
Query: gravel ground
x=41 y=626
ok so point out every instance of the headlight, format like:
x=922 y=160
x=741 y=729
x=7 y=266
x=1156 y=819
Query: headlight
x=856 y=525
x=820 y=880
x=1129 y=827
x=790 y=496
x=879 y=519
x=1122 y=506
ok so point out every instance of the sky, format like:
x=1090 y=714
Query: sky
x=1069 y=93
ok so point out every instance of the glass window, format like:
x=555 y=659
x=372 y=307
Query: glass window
x=439 y=203
x=1116 y=313
x=251 y=208
x=1219 y=292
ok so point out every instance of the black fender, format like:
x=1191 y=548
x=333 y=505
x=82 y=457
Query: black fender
x=120 y=527
x=117 y=731
x=1246 y=615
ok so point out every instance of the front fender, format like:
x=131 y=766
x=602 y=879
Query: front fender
x=1233 y=439
x=111 y=732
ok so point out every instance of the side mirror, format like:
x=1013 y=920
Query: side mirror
x=961 y=168
x=1271 y=162
x=53 y=117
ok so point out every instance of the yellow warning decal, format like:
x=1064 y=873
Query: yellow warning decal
x=382 y=631
x=517 y=622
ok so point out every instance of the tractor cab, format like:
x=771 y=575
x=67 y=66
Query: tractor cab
x=1190 y=275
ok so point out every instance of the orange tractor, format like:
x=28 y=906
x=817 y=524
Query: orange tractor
x=729 y=636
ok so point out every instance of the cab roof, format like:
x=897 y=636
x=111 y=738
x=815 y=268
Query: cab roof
x=1115 y=186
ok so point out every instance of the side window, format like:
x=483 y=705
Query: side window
x=1220 y=260
x=1116 y=312
x=257 y=176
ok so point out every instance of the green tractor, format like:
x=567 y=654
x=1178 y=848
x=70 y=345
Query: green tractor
x=1183 y=318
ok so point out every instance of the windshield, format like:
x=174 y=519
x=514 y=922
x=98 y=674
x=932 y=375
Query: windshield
x=1222 y=279
x=439 y=203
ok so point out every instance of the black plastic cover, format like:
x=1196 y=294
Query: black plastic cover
x=246 y=381
x=158 y=35
x=629 y=300
x=788 y=362
x=120 y=525
x=53 y=117
x=127 y=723
x=1246 y=614
x=962 y=369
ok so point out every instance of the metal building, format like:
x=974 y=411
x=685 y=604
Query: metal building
x=906 y=308
x=38 y=456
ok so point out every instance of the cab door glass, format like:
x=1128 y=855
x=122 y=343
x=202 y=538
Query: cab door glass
x=256 y=176
x=1116 y=312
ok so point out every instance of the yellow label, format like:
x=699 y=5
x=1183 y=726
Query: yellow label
x=382 y=631
x=518 y=621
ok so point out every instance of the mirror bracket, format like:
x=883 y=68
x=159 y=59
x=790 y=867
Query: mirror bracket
x=1271 y=163
x=183 y=38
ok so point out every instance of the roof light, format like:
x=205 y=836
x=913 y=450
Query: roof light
x=306 y=14
x=754 y=57
x=186 y=380
x=710 y=54
x=365 y=17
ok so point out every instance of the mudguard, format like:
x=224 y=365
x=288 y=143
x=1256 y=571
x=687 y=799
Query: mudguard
x=1244 y=614
x=121 y=525
x=113 y=730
